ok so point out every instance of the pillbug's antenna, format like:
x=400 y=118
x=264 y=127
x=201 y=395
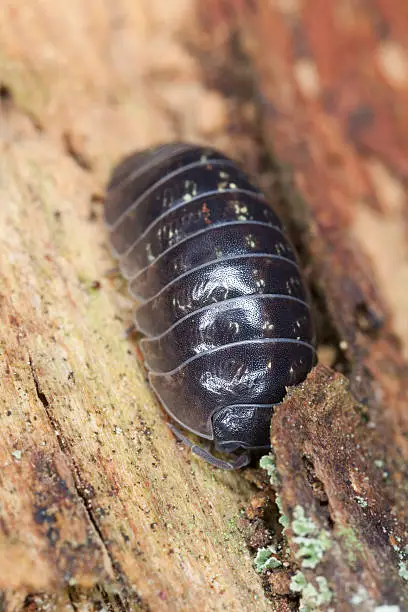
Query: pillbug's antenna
x=237 y=464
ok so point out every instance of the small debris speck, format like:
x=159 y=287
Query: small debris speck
x=17 y=454
x=361 y=501
x=360 y=596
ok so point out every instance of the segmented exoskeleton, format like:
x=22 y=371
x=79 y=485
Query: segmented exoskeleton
x=222 y=302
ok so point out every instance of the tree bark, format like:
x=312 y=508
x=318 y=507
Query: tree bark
x=100 y=507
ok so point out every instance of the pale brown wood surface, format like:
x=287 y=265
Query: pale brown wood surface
x=94 y=488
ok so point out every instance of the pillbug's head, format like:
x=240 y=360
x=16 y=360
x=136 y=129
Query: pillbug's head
x=242 y=426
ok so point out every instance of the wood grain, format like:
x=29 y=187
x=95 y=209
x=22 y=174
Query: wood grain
x=95 y=490
x=100 y=508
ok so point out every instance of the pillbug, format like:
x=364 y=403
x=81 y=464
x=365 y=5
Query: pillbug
x=223 y=306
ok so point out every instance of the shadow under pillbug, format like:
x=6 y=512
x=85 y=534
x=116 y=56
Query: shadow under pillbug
x=223 y=307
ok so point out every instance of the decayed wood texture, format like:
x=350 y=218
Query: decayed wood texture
x=336 y=468
x=330 y=84
x=99 y=506
x=96 y=493
x=329 y=111
x=93 y=484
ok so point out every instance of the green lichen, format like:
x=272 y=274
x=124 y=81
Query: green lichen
x=403 y=570
x=283 y=519
x=403 y=563
x=387 y=609
x=265 y=560
x=312 y=543
x=312 y=598
x=351 y=543
x=268 y=463
x=302 y=525
x=298 y=582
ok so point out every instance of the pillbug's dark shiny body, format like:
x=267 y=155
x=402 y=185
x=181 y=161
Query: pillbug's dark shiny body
x=223 y=306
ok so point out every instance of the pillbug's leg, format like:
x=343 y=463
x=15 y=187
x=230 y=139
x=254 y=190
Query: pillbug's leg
x=237 y=464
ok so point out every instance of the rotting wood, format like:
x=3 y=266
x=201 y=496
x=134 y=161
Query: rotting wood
x=315 y=160
x=95 y=490
x=79 y=96
x=93 y=483
x=334 y=152
x=330 y=475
